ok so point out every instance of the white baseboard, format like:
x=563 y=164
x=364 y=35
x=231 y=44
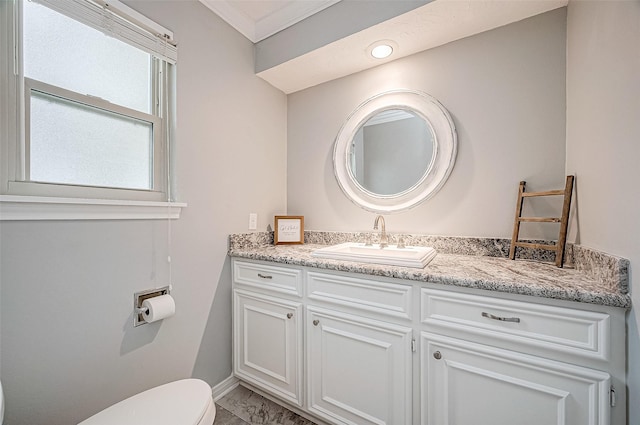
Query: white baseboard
x=224 y=387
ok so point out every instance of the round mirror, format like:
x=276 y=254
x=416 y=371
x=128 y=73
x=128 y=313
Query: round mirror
x=395 y=151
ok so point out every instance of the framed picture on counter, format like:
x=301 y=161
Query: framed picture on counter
x=288 y=229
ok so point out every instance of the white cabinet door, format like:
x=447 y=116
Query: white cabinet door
x=267 y=343
x=359 y=370
x=464 y=383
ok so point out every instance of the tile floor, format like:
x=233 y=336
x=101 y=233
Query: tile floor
x=243 y=407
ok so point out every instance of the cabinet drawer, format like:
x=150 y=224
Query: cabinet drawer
x=273 y=278
x=561 y=329
x=371 y=295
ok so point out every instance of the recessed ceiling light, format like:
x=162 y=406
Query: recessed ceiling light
x=382 y=49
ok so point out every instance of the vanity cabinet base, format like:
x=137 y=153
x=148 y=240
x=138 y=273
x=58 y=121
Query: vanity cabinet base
x=353 y=349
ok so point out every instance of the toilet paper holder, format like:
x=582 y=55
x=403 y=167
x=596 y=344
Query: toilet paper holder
x=138 y=299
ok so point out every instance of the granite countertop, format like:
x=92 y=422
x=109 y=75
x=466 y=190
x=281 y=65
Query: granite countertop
x=525 y=277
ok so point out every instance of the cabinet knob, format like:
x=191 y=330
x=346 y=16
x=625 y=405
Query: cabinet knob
x=437 y=355
x=289 y=315
x=316 y=322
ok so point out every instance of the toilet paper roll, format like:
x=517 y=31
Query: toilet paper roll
x=158 y=308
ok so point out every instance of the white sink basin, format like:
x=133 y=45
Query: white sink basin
x=411 y=256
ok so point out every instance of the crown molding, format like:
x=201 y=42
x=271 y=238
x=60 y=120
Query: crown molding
x=292 y=13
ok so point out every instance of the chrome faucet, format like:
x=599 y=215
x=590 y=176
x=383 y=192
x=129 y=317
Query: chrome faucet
x=384 y=241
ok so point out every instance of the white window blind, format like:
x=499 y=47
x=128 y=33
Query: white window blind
x=107 y=18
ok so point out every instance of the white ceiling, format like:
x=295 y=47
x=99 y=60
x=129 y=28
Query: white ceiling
x=259 y=19
x=434 y=24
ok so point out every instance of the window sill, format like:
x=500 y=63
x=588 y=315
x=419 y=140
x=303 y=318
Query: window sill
x=19 y=208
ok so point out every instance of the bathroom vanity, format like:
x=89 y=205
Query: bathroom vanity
x=466 y=340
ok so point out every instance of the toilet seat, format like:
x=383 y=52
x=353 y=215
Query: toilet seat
x=185 y=402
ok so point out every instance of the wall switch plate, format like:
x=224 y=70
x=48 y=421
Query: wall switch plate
x=253 y=221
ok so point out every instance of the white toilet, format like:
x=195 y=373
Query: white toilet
x=185 y=402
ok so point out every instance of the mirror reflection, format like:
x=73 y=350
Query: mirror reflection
x=391 y=152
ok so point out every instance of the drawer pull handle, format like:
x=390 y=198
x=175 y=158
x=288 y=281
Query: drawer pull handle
x=437 y=355
x=265 y=276
x=289 y=315
x=316 y=322
x=502 y=319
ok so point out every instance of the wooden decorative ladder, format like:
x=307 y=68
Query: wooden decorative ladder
x=563 y=220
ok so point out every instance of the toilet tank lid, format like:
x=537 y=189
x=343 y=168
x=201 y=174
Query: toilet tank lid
x=181 y=402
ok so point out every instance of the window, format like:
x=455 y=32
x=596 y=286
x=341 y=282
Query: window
x=88 y=94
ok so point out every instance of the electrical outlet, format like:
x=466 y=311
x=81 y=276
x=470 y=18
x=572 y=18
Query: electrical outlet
x=253 y=221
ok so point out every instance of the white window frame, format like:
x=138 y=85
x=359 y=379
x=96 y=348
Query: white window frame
x=22 y=199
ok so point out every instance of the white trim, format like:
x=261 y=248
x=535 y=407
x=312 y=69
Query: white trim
x=225 y=387
x=292 y=13
x=16 y=208
x=231 y=15
x=88 y=100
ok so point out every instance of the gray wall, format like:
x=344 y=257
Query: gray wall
x=69 y=348
x=505 y=90
x=603 y=144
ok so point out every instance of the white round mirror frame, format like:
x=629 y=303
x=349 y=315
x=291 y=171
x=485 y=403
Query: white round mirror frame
x=444 y=152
